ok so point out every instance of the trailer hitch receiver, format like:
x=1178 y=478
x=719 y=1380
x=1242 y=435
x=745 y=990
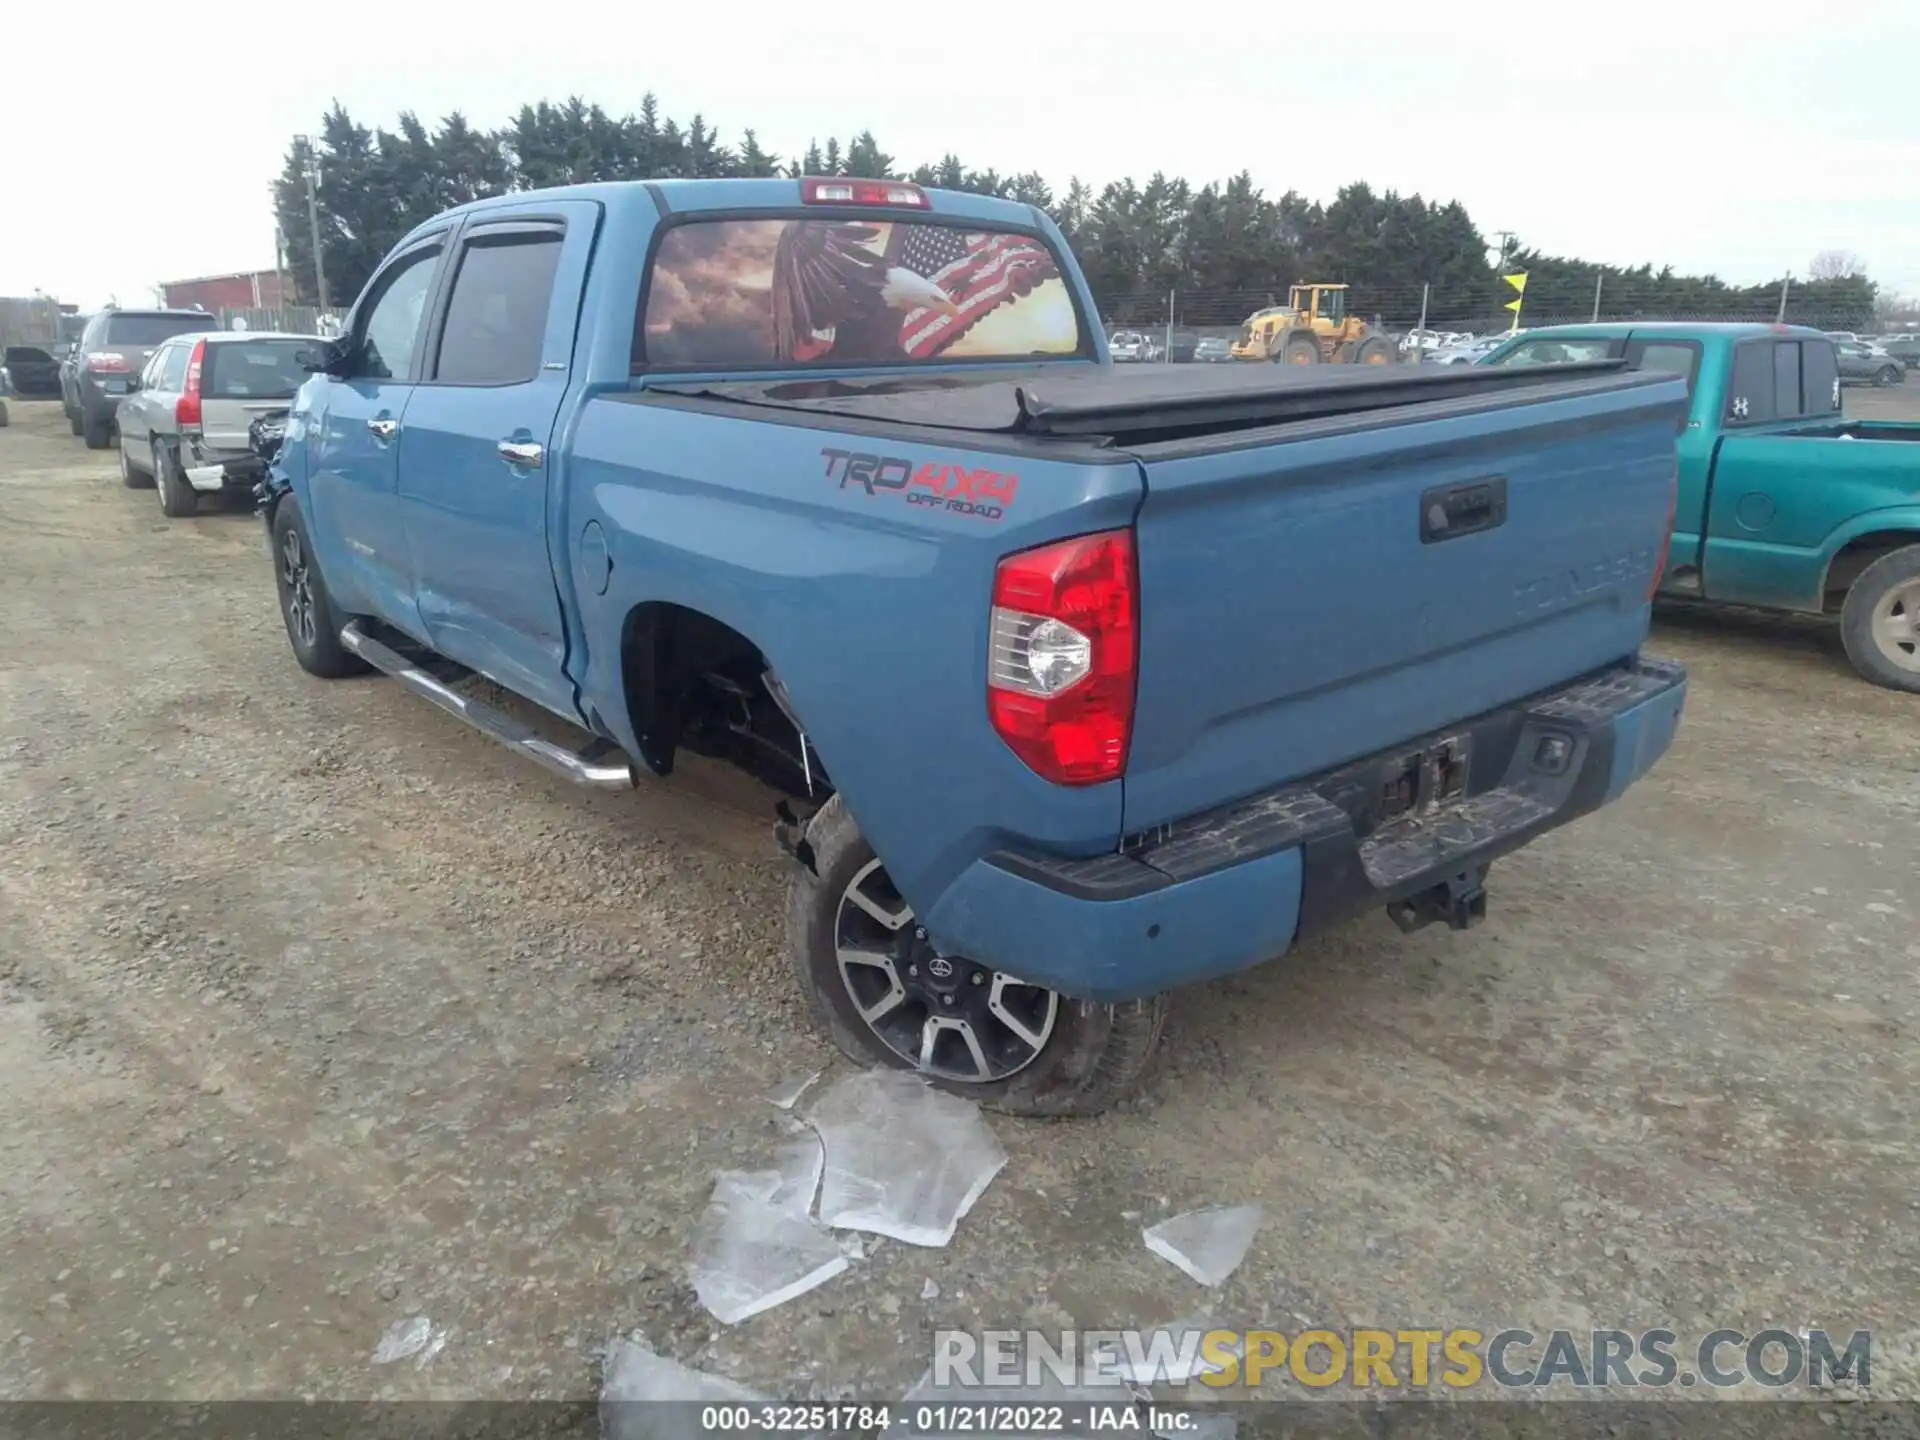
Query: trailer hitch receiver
x=1460 y=900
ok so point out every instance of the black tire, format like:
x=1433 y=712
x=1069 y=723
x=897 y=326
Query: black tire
x=312 y=627
x=177 y=497
x=97 y=431
x=1092 y=1054
x=131 y=475
x=1374 y=350
x=1299 y=348
x=73 y=421
x=1883 y=600
x=1889 y=375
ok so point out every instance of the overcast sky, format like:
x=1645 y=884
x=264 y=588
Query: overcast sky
x=1738 y=138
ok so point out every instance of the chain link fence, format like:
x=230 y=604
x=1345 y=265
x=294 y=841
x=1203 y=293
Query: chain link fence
x=1176 y=320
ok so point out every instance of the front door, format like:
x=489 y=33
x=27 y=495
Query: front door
x=477 y=449
x=355 y=425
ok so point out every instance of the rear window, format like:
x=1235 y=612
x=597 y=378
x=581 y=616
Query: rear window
x=765 y=293
x=145 y=330
x=252 y=370
x=1782 y=380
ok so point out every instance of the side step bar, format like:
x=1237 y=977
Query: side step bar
x=600 y=764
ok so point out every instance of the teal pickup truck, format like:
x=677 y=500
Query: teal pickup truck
x=1783 y=502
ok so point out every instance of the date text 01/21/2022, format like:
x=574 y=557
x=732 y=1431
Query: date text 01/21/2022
x=946 y=1418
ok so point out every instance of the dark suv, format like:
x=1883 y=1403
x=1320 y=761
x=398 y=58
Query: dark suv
x=114 y=348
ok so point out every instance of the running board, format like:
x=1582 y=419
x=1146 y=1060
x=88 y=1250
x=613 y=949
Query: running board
x=601 y=764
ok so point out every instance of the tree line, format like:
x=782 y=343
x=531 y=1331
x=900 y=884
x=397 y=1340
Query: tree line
x=1163 y=251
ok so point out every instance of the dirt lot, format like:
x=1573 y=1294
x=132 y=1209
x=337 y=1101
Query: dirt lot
x=317 y=1011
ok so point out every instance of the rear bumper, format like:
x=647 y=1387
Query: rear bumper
x=210 y=470
x=1220 y=891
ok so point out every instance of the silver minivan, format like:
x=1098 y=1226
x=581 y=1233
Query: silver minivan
x=184 y=426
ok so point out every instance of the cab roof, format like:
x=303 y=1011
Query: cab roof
x=692 y=196
x=1620 y=330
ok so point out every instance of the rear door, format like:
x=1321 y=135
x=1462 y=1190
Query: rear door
x=1354 y=583
x=244 y=378
x=476 y=454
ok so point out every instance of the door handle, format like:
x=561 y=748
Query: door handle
x=383 y=429
x=516 y=452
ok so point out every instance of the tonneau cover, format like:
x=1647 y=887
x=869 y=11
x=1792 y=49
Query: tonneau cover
x=1126 y=401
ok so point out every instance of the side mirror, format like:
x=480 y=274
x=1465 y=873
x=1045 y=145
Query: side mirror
x=133 y=383
x=329 y=357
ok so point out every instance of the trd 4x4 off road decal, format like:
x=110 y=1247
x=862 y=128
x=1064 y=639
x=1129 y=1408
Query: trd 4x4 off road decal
x=958 y=488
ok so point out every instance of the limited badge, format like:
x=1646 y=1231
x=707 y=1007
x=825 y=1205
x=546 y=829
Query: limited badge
x=1740 y=405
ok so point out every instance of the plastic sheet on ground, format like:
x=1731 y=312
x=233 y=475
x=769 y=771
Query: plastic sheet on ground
x=754 y=1247
x=1170 y=1354
x=902 y=1159
x=414 y=1338
x=1207 y=1244
x=638 y=1380
x=787 y=1094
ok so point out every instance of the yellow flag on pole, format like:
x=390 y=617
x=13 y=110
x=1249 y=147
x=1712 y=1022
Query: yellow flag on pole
x=1513 y=305
x=1518 y=282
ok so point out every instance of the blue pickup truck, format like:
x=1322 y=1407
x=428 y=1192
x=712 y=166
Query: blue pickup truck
x=1083 y=681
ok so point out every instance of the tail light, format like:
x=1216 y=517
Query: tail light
x=815 y=190
x=186 y=410
x=1666 y=535
x=1064 y=655
x=107 y=362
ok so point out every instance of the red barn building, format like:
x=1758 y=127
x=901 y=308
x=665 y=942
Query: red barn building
x=248 y=289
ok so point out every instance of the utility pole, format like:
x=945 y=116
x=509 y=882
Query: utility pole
x=1598 y=281
x=1506 y=238
x=1785 y=281
x=313 y=224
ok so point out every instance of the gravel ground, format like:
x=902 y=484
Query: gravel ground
x=317 y=1011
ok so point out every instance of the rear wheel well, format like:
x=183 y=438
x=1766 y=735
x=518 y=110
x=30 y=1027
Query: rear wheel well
x=1855 y=556
x=693 y=682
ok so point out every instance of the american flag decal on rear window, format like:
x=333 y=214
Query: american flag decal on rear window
x=980 y=272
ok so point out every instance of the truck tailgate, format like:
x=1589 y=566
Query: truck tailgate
x=1322 y=590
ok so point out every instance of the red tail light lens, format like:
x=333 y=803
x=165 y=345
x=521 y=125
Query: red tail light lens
x=819 y=190
x=1666 y=536
x=1064 y=656
x=110 y=362
x=186 y=410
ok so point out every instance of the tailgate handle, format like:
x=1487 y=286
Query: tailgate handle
x=1449 y=511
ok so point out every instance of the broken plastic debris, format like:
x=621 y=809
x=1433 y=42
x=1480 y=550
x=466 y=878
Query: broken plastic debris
x=1207 y=1244
x=902 y=1159
x=411 y=1337
x=755 y=1247
x=929 y=1291
x=636 y=1376
x=788 y=1094
x=791 y=1186
x=1170 y=1354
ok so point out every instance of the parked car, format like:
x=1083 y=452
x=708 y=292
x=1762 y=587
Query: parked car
x=32 y=371
x=1213 y=349
x=1868 y=364
x=1128 y=345
x=183 y=429
x=1904 y=348
x=1467 y=352
x=1784 y=503
x=111 y=351
x=1225 y=703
